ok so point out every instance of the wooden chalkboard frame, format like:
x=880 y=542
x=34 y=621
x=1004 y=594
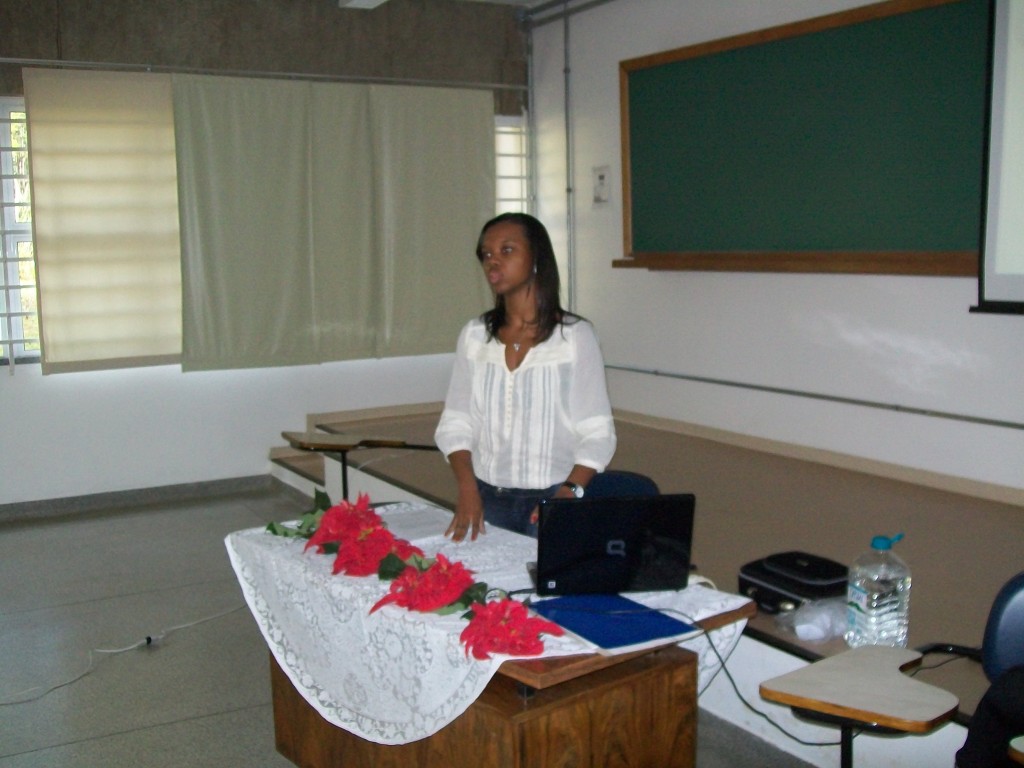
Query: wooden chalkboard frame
x=963 y=263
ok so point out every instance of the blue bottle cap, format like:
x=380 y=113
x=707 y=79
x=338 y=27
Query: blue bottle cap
x=884 y=542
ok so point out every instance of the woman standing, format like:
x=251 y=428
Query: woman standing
x=527 y=415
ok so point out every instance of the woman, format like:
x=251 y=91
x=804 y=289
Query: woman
x=527 y=415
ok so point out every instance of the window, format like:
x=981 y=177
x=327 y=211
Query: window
x=19 y=323
x=105 y=212
x=19 y=336
x=512 y=158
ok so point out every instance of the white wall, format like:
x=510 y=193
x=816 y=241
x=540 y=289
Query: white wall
x=73 y=434
x=902 y=341
x=899 y=340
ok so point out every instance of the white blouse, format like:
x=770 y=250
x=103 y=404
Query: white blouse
x=527 y=428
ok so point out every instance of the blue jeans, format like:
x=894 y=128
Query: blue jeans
x=510 y=508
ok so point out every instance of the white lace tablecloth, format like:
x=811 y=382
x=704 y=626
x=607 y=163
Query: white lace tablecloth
x=396 y=676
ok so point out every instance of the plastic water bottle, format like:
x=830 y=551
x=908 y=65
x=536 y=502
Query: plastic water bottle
x=878 y=597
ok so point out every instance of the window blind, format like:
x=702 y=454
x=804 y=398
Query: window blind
x=106 y=218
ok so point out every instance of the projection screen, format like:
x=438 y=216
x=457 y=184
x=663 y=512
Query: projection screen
x=1001 y=275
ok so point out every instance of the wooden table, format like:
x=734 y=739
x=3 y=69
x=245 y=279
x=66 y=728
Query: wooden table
x=863 y=688
x=326 y=442
x=630 y=710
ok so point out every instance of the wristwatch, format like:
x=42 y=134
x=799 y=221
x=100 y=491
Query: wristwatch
x=576 y=488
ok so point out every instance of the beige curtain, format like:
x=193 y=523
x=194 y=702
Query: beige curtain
x=106 y=218
x=435 y=187
x=328 y=221
x=319 y=221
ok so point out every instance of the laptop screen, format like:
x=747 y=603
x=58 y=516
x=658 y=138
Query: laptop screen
x=614 y=544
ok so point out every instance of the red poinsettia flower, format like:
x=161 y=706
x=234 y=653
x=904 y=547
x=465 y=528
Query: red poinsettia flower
x=404 y=550
x=436 y=587
x=345 y=522
x=362 y=556
x=505 y=626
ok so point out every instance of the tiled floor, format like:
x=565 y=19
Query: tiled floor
x=199 y=696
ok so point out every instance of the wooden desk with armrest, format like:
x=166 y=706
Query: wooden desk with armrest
x=1017 y=750
x=863 y=688
x=343 y=443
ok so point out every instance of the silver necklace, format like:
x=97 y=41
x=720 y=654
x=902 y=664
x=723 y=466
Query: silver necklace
x=516 y=346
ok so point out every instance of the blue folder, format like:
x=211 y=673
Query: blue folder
x=613 y=623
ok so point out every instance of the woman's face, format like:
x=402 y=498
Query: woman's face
x=506 y=258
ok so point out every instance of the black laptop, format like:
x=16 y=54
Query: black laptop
x=614 y=544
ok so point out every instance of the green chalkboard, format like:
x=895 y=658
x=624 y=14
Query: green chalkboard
x=854 y=136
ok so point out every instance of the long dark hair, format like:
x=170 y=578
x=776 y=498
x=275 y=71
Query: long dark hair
x=547 y=285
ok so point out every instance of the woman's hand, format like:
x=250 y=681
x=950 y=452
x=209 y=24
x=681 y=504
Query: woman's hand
x=468 y=518
x=469 y=509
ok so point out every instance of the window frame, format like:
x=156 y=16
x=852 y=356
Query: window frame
x=509 y=131
x=18 y=295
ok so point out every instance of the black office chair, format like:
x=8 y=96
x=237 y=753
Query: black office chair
x=618 y=482
x=1002 y=645
x=1000 y=713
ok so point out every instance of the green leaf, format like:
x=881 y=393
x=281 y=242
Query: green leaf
x=391 y=567
x=309 y=521
x=282 y=530
x=420 y=563
x=451 y=608
x=321 y=501
x=475 y=593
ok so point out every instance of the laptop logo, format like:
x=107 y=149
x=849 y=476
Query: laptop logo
x=616 y=547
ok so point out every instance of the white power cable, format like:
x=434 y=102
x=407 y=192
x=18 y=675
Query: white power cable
x=150 y=641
